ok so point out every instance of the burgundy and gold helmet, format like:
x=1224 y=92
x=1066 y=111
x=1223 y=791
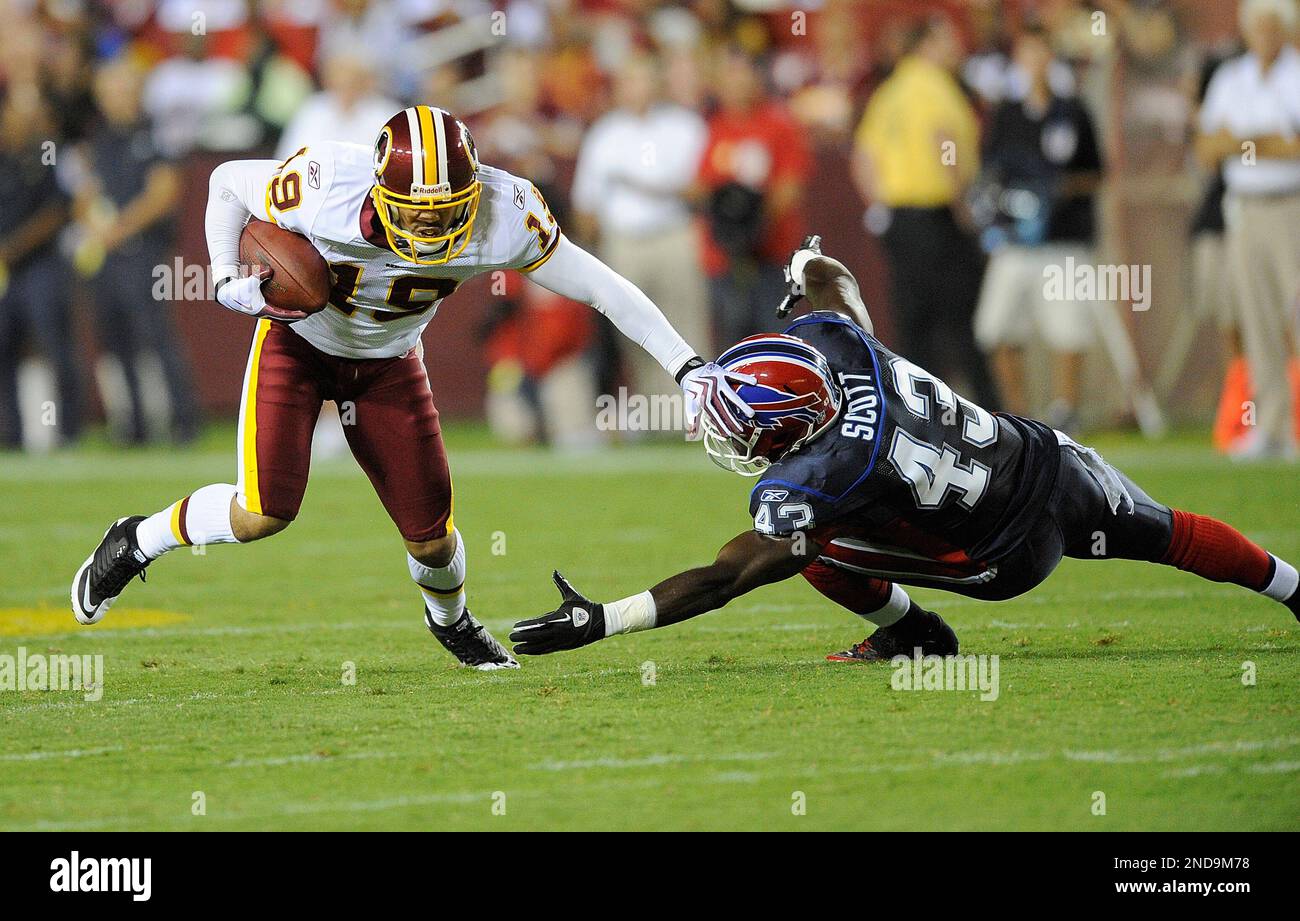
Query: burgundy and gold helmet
x=426 y=189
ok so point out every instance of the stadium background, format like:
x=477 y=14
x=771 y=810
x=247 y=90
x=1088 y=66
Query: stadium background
x=1133 y=79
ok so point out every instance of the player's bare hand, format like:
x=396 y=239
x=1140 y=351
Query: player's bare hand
x=578 y=621
x=711 y=389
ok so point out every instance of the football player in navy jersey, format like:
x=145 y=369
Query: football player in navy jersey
x=873 y=474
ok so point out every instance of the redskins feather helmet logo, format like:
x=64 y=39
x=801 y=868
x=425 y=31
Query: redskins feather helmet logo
x=467 y=140
x=383 y=147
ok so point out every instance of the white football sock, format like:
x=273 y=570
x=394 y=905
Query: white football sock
x=1284 y=582
x=443 y=587
x=200 y=518
x=892 y=611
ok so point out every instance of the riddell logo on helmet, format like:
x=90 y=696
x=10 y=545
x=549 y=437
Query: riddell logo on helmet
x=422 y=191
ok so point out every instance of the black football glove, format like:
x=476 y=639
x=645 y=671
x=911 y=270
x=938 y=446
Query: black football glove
x=794 y=290
x=578 y=621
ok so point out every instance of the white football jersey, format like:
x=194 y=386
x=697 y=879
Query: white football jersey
x=380 y=302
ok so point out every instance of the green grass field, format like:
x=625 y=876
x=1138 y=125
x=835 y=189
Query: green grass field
x=224 y=673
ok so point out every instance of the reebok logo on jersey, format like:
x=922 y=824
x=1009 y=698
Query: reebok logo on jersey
x=313 y=174
x=519 y=198
x=773 y=495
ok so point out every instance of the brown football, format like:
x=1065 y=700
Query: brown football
x=300 y=278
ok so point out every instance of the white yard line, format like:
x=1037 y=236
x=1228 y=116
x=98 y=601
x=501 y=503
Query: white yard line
x=468 y=464
x=1195 y=770
x=797 y=773
x=1274 y=767
x=66 y=753
x=649 y=761
x=229 y=630
x=1237 y=747
x=310 y=758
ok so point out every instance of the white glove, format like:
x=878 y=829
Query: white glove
x=709 y=389
x=794 y=271
x=244 y=295
x=809 y=250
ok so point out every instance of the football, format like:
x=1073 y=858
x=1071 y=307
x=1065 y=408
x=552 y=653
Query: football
x=300 y=277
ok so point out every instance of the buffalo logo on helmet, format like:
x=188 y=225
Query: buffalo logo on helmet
x=794 y=399
x=426 y=192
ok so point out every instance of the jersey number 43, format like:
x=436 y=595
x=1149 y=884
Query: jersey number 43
x=937 y=474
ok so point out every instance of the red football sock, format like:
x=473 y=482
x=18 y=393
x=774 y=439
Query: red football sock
x=1219 y=552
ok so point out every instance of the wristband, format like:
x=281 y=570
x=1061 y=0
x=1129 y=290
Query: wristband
x=798 y=262
x=630 y=615
x=691 y=365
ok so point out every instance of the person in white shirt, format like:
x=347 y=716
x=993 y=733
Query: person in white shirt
x=376 y=24
x=629 y=193
x=348 y=107
x=1250 y=123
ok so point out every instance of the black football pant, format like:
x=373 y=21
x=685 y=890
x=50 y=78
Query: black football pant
x=1077 y=522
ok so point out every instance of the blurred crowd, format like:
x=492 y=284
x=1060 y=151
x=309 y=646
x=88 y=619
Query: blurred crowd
x=691 y=144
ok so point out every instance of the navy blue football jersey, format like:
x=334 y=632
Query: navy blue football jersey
x=907 y=463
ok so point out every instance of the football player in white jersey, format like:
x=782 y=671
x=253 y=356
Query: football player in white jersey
x=401 y=227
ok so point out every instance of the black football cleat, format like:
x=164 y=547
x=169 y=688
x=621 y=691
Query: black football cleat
x=116 y=561
x=917 y=628
x=470 y=642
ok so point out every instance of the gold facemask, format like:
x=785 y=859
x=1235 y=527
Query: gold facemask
x=454 y=212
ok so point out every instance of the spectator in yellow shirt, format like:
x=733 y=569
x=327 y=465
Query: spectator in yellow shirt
x=916 y=151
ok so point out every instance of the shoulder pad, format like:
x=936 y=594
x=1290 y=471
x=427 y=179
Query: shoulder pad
x=297 y=191
x=529 y=232
x=781 y=510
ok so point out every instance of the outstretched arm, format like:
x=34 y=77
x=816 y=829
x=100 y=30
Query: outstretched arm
x=746 y=562
x=33 y=233
x=828 y=285
x=574 y=273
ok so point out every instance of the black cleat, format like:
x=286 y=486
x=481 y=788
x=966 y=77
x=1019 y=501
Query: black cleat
x=470 y=642
x=116 y=561
x=923 y=628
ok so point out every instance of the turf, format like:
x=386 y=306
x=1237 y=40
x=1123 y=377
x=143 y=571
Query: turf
x=224 y=673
